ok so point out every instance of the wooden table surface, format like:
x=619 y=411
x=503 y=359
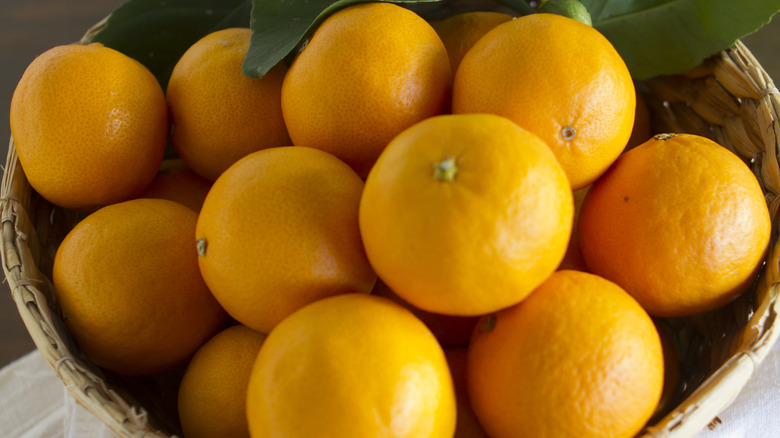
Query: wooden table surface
x=29 y=27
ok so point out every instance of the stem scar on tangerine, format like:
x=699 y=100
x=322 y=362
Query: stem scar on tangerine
x=488 y=323
x=202 y=245
x=445 y=169
x=569 y=132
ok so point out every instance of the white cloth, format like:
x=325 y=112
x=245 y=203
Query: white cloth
x=756 y=411
x=35 y=404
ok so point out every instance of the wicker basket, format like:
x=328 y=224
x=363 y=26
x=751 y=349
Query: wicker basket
x=729 y=98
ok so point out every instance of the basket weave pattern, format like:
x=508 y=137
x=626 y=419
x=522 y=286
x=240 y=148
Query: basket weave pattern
x=729 y=99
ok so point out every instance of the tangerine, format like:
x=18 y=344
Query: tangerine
x=465 y=214
x=352 y=365
x=212 y=393
x=278 y=230
x=559 y=79
x=368 y=72
x=177 y=182
x=219 y=114
x=577 y=358
x=679 y=222
x=89 y=125
x=126 y=278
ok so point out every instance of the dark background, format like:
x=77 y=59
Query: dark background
x=30 y=27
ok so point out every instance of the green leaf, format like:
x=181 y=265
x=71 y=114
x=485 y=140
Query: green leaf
x=280 y=26
x=659 y=37
x=520 y=6
x=158 y=32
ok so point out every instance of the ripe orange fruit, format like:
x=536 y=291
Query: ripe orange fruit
x=369 y=71
x=558 y=78
x=467 y=425
x=460 y=32
x=127 y=280
x=278 y=230
x=219 y=114
x=465 y=214
x=578 y=358
x=449 y=330
x=353 y=365
x=212 y=393
x=89 y=125
x=679 y=222
x=177 y=182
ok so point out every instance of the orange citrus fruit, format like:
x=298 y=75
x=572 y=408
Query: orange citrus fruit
x=368 y=72
x=679 y=222
x=219 y=114
x=465 y=214
x=460 y=32
x=278 y=230
x=558 y=78
x=89 y=124
x=177 y=182
x=212 y=393
x=353 y=365
x=127 y=280
x=578 y=358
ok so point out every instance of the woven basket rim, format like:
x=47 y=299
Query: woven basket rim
x=85 y=383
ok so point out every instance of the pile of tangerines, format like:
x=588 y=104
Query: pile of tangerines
x=414 y=229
